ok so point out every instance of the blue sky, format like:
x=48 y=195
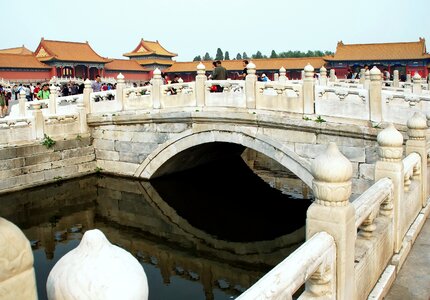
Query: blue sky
x=194 y=27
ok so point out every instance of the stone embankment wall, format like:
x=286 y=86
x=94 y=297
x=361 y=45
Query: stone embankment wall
x=23 y=166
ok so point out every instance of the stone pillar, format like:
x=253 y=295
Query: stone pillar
x=86 y=96
x=416 y=86
x=82 y=112
x=323 y=76
x=417 y=131
x=333 y=213
x=200 y=85
x=396 y=78
x=96 y=269
x=332 y=75
x=17 y=278
x=39 y=122
x=250 y=81
x=21 y=102
x=156 y=88
x=52 y=99
x=282 y=75
x=408 y=78
x=276 y=77
x=375 y=97
x=362 y=76
x=120 y=84
x=308 y=90
x=367 y=79
x=390 y=165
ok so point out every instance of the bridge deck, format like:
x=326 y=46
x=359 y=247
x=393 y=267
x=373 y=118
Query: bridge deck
x=413 y=280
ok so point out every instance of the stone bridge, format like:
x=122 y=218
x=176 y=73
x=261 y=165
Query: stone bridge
x=371 y=200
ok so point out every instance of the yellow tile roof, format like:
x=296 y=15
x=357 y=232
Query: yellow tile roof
x=124 y=65
x=16 y=50
x=163 y=62
x=261 y=64
x=145 y=48
x=67 y=51
x=385 y=51
x=27 y=61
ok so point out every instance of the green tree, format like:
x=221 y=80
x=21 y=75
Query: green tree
x=197 y=58
x=238 y=56
x=226 y=55
x=219 y=55
x=244 y=55
x=257 y=55
x=207 y=57
x=273 y=54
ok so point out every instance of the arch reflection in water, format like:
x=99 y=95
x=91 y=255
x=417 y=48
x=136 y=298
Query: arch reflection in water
x=195 y=241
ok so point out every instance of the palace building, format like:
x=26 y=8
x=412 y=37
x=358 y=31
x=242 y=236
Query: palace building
x=151 y=55
x=77 y=59
x=407 y=57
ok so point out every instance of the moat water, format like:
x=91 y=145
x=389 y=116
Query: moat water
x=207 y=233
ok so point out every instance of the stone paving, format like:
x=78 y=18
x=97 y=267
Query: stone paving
x=413 y=280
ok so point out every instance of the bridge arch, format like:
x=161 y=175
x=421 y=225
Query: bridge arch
x=248 y=138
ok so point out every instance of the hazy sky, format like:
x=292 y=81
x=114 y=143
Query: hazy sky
x=194 y=27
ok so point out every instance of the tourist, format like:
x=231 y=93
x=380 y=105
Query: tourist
x=36 y=90
x=44 y=92
x=3 y=106
x=97 y=85
x=245 y=70
x=264 y=78
x=219 y=73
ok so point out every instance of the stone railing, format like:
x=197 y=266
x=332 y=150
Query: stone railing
x=373 y=235
x=313 y=261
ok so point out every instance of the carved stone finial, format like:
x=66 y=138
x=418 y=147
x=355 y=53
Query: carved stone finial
x=417 y=126
x=120 y=76
x=390 y=142
x=16 y=263
x=332 y=173
x=251 y=68
x=201 y=66
x=309 y=68
x=96 y=269
x=282 y=70
x=375 y=74
x=87 y=83
x=417 y=76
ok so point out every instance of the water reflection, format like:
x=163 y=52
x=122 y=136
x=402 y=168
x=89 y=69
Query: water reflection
x=194 y=238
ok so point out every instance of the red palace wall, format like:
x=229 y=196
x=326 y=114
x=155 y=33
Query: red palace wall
x=129 y=76
x=33 y=76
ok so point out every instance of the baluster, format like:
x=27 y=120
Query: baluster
x=368 y=227
x=407 y=180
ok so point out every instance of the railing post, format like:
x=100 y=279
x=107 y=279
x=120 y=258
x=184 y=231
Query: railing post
x=276 y=77
x=396 y=78
x=308 y=90
x=367 y=79
x=417 y=129
x=282 y=75
x=86 y=96
x=408 y=78
x=250 y=81
x=21 y=102
x=390 y=151
x=323 y=76
x=200 y=85
x=82 y=113
x=416 y=86
x=332 y=75
x=362 y=76
x=96 y=269
x=156 y=86
x=120 y=84
x=333 y=213
x=39 y=122
x=18 y=280
x=52 y=99
x=375 y=95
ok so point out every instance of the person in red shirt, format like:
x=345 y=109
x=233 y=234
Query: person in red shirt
x=36 y=90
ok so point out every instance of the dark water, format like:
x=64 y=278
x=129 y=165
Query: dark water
x=207 y=233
